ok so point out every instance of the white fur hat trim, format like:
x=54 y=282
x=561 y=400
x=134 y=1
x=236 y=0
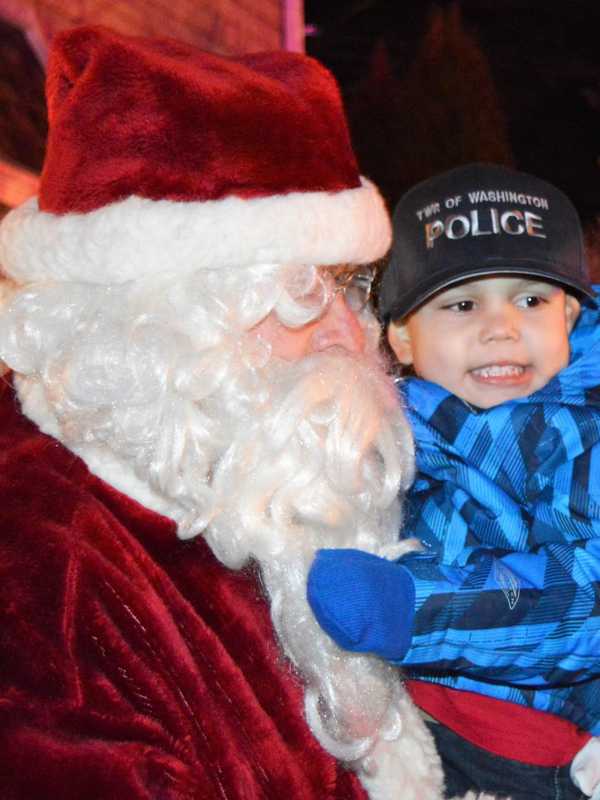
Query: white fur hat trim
x=138 y=237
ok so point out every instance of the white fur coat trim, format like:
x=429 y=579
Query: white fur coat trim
x=139 y=237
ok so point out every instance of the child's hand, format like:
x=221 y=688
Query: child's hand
x=364 y=602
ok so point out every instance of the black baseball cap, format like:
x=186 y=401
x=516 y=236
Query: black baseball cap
x=478 y=220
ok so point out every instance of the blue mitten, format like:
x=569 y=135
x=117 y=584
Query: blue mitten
x=364 y=602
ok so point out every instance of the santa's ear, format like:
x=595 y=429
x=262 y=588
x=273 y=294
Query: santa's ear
x=572 y=309
x=399 y=338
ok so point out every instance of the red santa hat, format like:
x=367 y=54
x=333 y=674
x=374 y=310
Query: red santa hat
x=164 y=157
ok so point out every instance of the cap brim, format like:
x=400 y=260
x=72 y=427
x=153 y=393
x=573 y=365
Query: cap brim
x=437 y=283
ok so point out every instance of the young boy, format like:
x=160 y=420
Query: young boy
x=496 y=622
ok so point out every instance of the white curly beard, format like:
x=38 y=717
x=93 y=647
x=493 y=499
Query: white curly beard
x=321 y=464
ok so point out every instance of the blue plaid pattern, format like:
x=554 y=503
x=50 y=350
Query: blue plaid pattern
x=507 y=504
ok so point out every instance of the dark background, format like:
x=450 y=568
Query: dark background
x=429 y=85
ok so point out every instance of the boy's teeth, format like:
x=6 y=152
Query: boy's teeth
x=495 y=371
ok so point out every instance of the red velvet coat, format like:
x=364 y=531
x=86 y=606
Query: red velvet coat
x=134 y=665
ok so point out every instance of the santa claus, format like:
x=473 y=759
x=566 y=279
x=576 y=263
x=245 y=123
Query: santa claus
x=196 y=405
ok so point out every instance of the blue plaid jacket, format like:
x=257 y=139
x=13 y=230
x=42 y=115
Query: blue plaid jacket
x=507 y=504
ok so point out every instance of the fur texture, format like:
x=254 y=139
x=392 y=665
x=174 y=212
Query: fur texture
x=137 y=237
x=163 y=120
x=159 y=155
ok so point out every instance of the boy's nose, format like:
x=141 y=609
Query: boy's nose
x=500 y=325
x=339 y=327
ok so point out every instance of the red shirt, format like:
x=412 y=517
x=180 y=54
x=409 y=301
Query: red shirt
x=505 y=729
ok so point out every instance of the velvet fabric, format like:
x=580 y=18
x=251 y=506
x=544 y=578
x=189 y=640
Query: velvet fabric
x=163 y=120
x=132 y=664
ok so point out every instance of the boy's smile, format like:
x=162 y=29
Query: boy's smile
x=502 y=374
x=489 y=340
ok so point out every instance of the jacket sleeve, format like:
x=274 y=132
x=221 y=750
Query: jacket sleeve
x=527 y=618
x=508 y=505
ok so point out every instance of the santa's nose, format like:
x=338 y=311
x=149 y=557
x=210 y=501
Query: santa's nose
x=339 y=327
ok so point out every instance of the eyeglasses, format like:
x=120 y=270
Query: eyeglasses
x=355 y=286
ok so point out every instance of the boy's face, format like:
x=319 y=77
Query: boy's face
x=489 y=340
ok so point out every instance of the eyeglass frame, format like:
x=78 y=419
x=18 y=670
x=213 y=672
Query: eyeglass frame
x=346 y=278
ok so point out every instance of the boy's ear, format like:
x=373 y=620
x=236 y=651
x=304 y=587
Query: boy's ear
x=399 y=339
x=572 y=309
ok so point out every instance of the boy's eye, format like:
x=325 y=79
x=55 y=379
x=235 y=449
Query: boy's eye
x=461 y=306
x=530 y=301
